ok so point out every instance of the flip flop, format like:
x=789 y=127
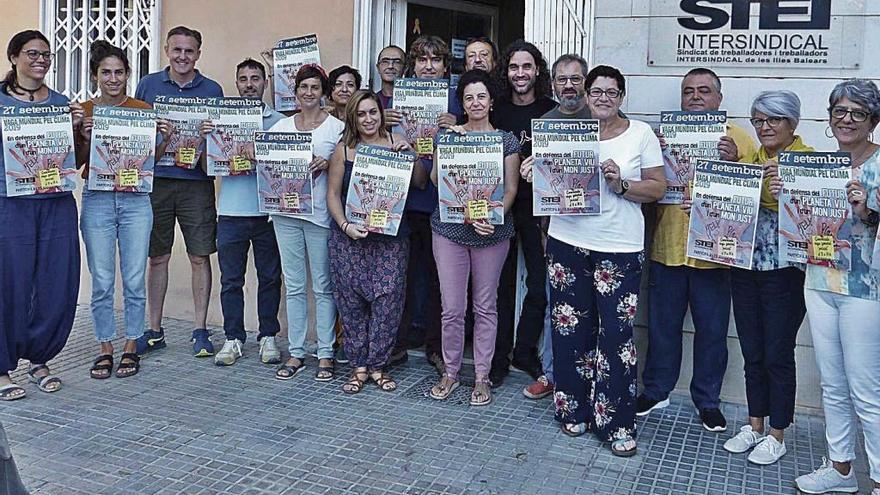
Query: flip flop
x=43 y=382
x=6 y=392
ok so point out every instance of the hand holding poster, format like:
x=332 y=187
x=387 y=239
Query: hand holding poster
x=566 y=169
x=421 y=101
x=287 y=58
x=123 y=150
x=689 y=136
x=724 y=215
x=185 y=115
x=377 y=191
x=814 y=214
x=284 y=181
x=232 y=141
x=38 y=150
x=470 y=177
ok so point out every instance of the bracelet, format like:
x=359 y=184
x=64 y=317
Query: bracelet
x=344 y=227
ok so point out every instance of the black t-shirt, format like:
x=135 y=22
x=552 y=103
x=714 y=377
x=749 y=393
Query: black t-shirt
x=517 y=119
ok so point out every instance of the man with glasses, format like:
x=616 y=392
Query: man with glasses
x=390 y=65
x=678 y=282
x=525 y=95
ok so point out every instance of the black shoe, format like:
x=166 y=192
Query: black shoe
x=497 y=376
x=713 y=420
x=645 y=405
x=530 y=366
x=398 y=358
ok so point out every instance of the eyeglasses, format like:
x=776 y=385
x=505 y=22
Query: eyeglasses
x=574 y=80
x=610 y=92
x=771 y=121
x=34 y=55
x=344 y=84
x=856 y=115
x=391 y=61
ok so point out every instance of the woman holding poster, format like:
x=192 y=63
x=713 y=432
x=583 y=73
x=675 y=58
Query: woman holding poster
x=768 y=300
x=120 y=216
x=476 y=250
x=595 y=265
x=38 y=237
x=301 y=236
x=368 y=268
x=844 y=306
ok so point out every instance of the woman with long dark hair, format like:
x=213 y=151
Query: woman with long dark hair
x=111 y=218
x=39 y=268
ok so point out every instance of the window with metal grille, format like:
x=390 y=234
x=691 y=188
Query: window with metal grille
x=72 y=25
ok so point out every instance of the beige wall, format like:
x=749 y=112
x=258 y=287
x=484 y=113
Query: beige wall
x=18 y=15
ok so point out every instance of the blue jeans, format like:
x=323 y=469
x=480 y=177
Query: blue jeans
x=235 y=236
x=707 y=292
x=109 y=219
x=547 y=339
x=298 y=239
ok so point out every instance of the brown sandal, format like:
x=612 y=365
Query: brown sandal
x=355 y=384
x=383 y=381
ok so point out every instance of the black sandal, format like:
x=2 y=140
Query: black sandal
x=325 y=373
x=288 y=371
x=102 y=371
x=130 y=367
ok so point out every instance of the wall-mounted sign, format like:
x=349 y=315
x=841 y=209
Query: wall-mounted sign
x=757 y=33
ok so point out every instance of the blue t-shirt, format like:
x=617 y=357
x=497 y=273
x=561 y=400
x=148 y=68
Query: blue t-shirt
x=238 y=193
x=160 y=83
x=6 y=100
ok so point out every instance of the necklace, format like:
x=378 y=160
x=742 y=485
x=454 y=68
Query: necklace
x=98 y=101
x=30 y=92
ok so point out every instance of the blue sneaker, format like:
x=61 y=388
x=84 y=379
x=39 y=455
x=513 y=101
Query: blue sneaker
x=151 y=340
x=202 y=346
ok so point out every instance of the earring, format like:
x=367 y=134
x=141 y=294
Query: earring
x=829 y=131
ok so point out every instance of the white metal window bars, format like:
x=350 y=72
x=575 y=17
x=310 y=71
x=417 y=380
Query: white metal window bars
x=72 y=25
x=558 y=27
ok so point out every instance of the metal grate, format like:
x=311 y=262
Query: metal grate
x=420 y=391
x=72 y=25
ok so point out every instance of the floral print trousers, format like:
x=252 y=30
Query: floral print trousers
x=593 y=301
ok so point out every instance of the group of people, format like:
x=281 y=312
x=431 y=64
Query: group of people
x=435 y=282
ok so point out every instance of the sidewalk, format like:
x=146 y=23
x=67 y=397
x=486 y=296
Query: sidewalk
x=185 y=426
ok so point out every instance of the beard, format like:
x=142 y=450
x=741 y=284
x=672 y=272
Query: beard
x=569 y=102
x=523 y=90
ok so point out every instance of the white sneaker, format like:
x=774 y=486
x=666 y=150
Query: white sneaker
x=743 y=441
x=230 y=352
x=269 y=353
x=768 y=451
x=827 y=479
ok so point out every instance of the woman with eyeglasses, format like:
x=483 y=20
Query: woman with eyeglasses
x=844 y=306
x=594 y=267
x=768 y=299
x=344 y=81
x=39 y=265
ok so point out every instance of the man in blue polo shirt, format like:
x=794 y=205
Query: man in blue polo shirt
x=181 y=194
x=240 y=226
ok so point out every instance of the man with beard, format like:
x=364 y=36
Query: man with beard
x=569 y=77
x=240 y=226
x=525 y=83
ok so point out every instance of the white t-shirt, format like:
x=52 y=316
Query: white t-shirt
x=621 y=227
x=324 y=140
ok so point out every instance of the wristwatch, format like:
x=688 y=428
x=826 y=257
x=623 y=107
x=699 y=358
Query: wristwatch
x=624 y=187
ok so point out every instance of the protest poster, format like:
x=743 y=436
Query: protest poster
x=420 y=101
x=232 y=141
x=689 y=136
x=186 y=114
x=814 y=213
x=288 y=56
x=566 y=168
x=378 y=188
x=724 y=215
x=123 y=150
x=38 y=149
x=284 y=182
x=470 y=177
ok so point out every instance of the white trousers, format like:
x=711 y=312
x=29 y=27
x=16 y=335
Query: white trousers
x=846 y=341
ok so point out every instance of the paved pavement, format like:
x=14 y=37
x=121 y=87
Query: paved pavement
x=185 y=426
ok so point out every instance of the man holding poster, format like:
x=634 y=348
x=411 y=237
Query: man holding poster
x=240 y=226
x=183 y=194
x=678 y=282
